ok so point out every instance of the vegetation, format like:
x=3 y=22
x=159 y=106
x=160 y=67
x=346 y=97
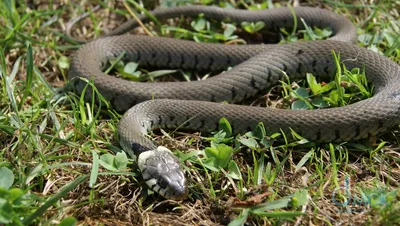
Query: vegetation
x=60 y=162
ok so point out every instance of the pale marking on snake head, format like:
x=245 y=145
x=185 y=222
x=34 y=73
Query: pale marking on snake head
x=151 y=182
x=163 y=193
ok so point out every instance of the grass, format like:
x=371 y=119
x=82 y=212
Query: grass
x=59 y=161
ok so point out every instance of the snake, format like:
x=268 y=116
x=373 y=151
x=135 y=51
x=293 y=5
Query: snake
x=253 y=68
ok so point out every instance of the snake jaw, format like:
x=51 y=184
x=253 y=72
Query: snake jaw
x=162 y=172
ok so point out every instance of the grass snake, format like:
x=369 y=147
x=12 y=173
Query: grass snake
x=197 y=105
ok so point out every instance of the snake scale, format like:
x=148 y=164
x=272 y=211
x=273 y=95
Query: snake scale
x=197 y=105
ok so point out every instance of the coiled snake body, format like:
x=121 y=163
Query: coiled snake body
x=195 y=105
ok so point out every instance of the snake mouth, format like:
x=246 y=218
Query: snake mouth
x=162 y=172
x=176 y=191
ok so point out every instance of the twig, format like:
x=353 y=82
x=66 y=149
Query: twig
x=137 y=19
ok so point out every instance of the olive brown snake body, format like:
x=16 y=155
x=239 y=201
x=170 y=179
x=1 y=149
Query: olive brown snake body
x=196 y=105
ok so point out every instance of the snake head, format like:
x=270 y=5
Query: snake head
x=162 y=172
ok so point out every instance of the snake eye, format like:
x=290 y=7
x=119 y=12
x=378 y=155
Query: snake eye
x=163 y=182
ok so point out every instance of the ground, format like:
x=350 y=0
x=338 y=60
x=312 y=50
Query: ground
x=59 y=164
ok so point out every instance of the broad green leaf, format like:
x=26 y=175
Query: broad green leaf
x=301 y=93
x=319 y=102
x=260 y=131
x=199 y=25
x=314 y=85
x=5 y=211
x=300 y=198
x=292 y=38
x=225 y=126
x=221 y=154
x=107 y=161
x=300 y=105
x=322 y=33
x=258 y=26
x=327 y=87
x=234 y=171
x=252 y=27
x=247 y=27
x=365 y=39
x=219 y=137
x=390 y=37
x=229 y=29
x=15 y=193
x=63 y=62
x=121 y=160
x=6 y=178
x=224 y=155
x=211 y=152
x=211 y=164
x=131 y=67
x=333 y=97
x=267 y=142
x=68 y=221
x=249 y=142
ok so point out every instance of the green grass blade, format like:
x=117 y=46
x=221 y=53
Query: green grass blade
x=29 y=74
x=95 y=169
